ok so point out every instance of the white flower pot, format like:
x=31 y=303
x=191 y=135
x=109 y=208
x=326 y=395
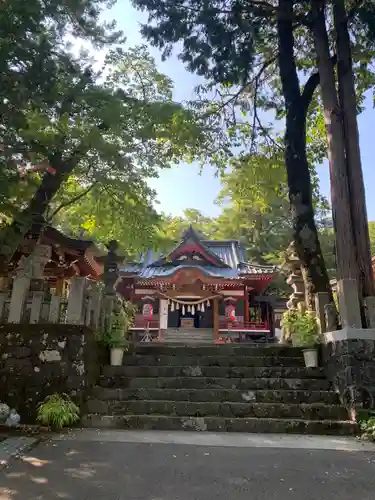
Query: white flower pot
x=116 y=356
x=311 y=358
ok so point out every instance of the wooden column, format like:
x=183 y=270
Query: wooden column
x=246 y=306
x=216 y=317
x=60 y=287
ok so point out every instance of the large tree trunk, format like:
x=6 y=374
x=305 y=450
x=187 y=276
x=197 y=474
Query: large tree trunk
x=299 y=181
x=348 y=105
x=11 y=237
x=345 y=245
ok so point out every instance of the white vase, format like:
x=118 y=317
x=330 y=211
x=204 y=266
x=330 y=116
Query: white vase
x=116 y=356
x=311 y=358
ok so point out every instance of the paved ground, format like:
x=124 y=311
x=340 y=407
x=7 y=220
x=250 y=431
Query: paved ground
x=151 y=466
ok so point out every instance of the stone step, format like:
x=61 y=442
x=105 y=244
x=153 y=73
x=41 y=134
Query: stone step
x=177 y=339
x=218 y=409
x=217 y=395
x=272 y=350
x=215 y=383
x=218 y=360
x=212 y=371
x=218 y=383
x=220 y=424
x=188 y=338
x=194 y=331
x=188 y=342
x=189 y=334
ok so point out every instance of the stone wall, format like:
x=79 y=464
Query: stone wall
x=350 y=365
x=38 y=360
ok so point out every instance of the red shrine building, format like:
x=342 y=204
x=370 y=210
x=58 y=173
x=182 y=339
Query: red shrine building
x=201 y=290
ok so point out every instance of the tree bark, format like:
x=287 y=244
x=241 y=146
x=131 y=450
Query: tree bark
x=299 y=181
x=348 y=103
x=347 y=266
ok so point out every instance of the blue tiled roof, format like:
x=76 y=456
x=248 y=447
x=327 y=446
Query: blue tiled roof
x=229 y=252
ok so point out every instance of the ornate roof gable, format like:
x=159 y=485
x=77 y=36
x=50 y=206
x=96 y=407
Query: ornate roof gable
x=191 y=251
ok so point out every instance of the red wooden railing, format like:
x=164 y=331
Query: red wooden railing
x=140 y=322
x=244 y=325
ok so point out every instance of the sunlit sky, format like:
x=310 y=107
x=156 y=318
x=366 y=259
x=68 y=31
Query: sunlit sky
x=184 y=186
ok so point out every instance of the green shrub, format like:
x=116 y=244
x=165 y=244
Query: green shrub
x=58 y=411
x=302 y=326
x=366 y=421
x=116 y=332
x=114 y=339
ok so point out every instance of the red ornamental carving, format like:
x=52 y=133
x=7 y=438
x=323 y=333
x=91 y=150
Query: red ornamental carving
x=147 y=312
x=230 y=312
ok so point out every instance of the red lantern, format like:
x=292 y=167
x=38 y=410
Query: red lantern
x=147 y=312
x=230 y=312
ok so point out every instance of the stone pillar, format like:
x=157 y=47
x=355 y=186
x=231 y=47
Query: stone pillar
x=350 y=312
x=54 y=309
x=29 y=268
x=74 y=313
x=370 y=311
x=321 y=300
x=96 y=304
x=36 y=306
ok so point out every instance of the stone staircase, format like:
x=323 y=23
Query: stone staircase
x=188 y=336
x=216 y=388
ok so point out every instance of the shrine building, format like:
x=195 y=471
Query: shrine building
x=202 y=290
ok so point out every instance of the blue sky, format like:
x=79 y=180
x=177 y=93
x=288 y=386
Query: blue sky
x=184 y=186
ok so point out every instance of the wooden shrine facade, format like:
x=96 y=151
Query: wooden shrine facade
x=200 y=284
x=48 y=271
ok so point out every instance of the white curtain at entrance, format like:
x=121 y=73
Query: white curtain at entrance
x=163 y=311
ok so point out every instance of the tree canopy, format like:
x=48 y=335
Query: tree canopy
x=104 y=132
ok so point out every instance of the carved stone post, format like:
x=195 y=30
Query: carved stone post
x=29 y=268
x=74 y=313
x=350 y=312
x=321 y=300
x=370 y=311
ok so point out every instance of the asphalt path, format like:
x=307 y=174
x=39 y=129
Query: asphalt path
x=112 y=467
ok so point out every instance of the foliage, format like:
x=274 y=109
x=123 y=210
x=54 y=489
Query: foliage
x=114 y=339
x=303 y=327
x=236 y=47
x=34 y=54
x=58 y=411
x=366 y=421
x=121 y=321
x=110 y=130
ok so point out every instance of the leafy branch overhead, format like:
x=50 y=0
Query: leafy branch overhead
x=113 y=129
x=260 y=58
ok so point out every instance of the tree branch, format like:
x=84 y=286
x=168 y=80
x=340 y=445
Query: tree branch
x=308 y=91
x=310 y=87
x=72 y=200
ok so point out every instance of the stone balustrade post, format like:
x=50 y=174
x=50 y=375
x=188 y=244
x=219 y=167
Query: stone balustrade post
x=29 y=268
x=370 y=311
x=350 y=313
x=96 y=303
x=74 y=313
x=321 y=300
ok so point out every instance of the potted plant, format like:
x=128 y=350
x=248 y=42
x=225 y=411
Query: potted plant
x=116 y=343
x=304 y=332
x=117 y=335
